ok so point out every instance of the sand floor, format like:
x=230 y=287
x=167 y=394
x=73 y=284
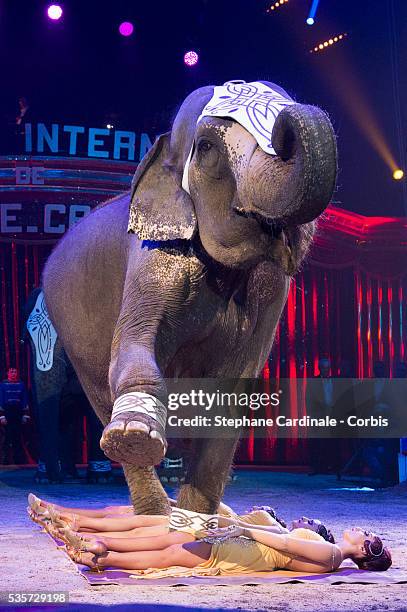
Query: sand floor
x=31 y=562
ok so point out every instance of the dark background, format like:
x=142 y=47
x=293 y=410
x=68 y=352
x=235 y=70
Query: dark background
x=80 y=70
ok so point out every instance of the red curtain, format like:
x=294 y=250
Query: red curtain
x=343 y=313
x=347 y=303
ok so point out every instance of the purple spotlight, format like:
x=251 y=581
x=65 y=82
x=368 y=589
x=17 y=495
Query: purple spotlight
x=126 y=28
x=54 y=12
x=191 y=58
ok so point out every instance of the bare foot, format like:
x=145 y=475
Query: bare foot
x=133 y=437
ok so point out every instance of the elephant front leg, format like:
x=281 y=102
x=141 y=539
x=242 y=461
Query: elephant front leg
x=147 y=493
x=136 y=432
x=207 y=475
x=155 y=293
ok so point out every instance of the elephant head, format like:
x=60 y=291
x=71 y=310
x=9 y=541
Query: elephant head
x=242 y=204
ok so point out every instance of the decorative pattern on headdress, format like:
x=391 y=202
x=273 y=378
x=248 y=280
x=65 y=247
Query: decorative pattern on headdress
x=254 y=105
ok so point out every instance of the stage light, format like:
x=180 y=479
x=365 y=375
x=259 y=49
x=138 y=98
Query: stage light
x=276 y=5
x=328 y=43
x=312 y=13
x=357 y=103
x=398 y=174
x=191 y=58
x=109 y=126
x=126 y=28
x=54 y=12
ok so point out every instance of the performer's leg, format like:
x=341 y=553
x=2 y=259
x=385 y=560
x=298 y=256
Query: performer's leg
x=95 y=513
x=134 y=544
x=138 y=532
x=100 y=513
x=190 y=555
x=121 y=522
x=14 y=415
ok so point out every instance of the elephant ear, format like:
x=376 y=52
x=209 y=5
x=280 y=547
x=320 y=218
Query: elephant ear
x=159 y=208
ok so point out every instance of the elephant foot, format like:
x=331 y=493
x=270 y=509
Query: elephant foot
x=136 y=433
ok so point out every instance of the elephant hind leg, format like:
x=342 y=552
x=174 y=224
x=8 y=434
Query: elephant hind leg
x=207 y=474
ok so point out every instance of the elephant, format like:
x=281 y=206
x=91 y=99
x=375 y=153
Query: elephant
x=58 y=402
x=196 y=286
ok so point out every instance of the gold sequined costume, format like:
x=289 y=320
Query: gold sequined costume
x=244 y=556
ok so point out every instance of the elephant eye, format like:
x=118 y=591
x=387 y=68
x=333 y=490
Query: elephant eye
x=204 y=146
x=208 y=155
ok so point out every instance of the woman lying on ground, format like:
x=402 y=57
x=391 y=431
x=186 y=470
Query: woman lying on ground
x=261 y=518
x=119 y=522
x=113 y=525
x=290 y=550
x=236 y=549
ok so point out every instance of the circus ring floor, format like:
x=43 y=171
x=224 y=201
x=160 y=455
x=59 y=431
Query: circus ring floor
x=31 y=562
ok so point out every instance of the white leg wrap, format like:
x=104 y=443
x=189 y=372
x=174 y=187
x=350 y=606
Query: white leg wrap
x=191 y=522
x=141 y=403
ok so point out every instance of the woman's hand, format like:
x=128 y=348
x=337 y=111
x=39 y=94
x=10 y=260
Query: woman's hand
x=225 y=521
x=233 y=531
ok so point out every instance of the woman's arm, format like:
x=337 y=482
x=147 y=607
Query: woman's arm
x=277 y=528
x=320 y=553
x=225 y=521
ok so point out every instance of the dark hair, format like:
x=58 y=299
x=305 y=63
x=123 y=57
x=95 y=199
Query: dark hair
x=326 y=533
x=273 y=514
x=377 y=558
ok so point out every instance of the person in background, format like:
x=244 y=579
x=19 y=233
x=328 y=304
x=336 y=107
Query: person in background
x=376 y=457
x=21 y=118
x=320 y=402
x=14 y=413
x=342 y=444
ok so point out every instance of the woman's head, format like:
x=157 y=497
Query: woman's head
x=314 y=525
x=369 y=552
x=271 y=512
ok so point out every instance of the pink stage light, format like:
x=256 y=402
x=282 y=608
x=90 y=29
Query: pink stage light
x=126 y=28
x=191 y=58
x=54 y=12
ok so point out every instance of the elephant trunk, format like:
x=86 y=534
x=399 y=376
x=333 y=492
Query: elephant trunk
x=295 y=186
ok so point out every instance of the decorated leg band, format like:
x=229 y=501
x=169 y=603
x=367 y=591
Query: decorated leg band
x=141 y=403
x=191 y=522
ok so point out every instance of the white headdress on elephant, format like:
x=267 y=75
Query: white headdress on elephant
x=254 y=105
